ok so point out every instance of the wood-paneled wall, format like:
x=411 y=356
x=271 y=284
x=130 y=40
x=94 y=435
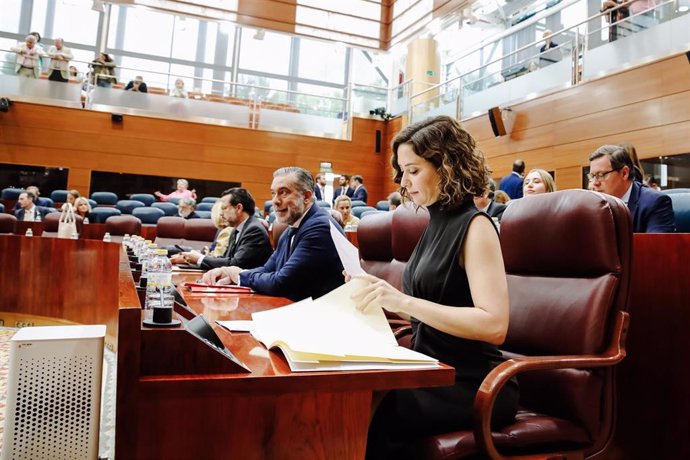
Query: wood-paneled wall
x=647 y=106
x=84 y=141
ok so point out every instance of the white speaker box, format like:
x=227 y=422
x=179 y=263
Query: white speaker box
x=54 y=393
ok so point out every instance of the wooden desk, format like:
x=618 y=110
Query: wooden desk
x=178 y=400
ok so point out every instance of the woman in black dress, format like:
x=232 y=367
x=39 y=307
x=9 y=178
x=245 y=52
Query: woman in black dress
x=455 y=288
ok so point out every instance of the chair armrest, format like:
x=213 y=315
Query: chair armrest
x=499 y=376
x=401 y=331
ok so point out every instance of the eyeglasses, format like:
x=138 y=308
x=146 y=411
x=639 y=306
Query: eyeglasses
x=601 y=175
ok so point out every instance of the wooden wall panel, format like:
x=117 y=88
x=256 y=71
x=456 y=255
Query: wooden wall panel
x=84 y=141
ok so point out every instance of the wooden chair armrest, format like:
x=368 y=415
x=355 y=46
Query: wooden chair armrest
x=402 y=331
x=499 y=376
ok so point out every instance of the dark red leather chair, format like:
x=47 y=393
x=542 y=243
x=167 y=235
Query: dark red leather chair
x=119 y=226
x=51 y=223
x=567 y=258
x=170 y=231
x=199 y=233
x=8 y=223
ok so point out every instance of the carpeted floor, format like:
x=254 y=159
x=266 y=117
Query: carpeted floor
x=107 y=434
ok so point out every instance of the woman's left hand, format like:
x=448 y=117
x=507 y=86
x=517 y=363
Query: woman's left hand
x=378 y=293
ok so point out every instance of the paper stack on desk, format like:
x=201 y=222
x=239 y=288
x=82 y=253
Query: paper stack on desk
x=331 y=334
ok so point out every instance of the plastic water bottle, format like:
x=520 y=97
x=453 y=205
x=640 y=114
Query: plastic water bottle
x=29 y=232
x=74 y=236
x=145 y=260
x=159 y=288
x=142 y=249
x=86 y=220
x=126 y=241
x=107 y=238
x=37 y=216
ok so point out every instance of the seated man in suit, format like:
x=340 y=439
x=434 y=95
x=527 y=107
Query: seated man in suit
x=610 y=171
x=486 y=203
x=305 y=262
x=343 y=187
x=187 y=209
x=249 y=245
x=28 y=211
x=38 y=201
x=360 y=192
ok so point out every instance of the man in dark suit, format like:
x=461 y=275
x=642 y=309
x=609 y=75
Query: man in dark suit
x=305 y=262
x=187 y=209
x=343 y=180
x=360 y=192
x=320 y=187
x=610 y=171
x=249 y=245
x=28 y=211
x=512 y=183
x=486 y=203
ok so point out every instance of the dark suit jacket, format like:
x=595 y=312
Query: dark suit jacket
x=19 y=213
x=652 y=211
x=317 y=193
x=253 y=248
x=338 y=191
x=360 y=194
x=311 y=269
x=142 y=87
x=496 y=210
x=512 y=185
x=192 y=215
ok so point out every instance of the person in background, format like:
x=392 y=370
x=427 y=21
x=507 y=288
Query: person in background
x=455 y=288
x=614 y=16
x=338 y=217
x=74 y=74
x=343 y=204
x=60 y=56
x=103 y=71
x=638 y=170
x=28 y=211
x=181 y=192
x=359 y=191
x=343 y=187
x=72 y=196
x=394 y=200
x=82 y=208
x=28 y=62
x=538 y=181
x=547 y=56
x=610 y=170
x=485 y=202
x=40 y=202
x=187 y=209
x=512 y=183
x=501 y=197
x=651 y=182
x=305 y=262
x=178 y=90
x=137 y=85
x=320 y=187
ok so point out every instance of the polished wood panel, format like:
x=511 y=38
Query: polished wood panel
x=653 y=391
x=74 y=280
x=86 y=141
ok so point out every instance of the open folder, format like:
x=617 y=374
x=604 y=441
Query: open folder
x=331 y=334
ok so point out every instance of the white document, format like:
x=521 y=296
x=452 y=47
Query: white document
x=348 y=253
x=331 y=334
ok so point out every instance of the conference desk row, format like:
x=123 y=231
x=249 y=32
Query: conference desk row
x=178 y=398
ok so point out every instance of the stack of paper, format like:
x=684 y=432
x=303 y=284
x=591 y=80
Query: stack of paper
x=331 y=334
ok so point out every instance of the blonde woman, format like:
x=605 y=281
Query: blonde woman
x=538 y=181
x=343 y=204
x=82 y=208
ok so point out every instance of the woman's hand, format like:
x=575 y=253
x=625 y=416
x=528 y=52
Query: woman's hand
x=378 y=293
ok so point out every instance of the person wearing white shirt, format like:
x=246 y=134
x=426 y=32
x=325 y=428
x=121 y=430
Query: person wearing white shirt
x=28 y=211
x=28 y=58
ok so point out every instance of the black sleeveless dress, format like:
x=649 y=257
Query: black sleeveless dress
x=433 y=273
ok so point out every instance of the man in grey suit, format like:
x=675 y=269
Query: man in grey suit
x=249 y=245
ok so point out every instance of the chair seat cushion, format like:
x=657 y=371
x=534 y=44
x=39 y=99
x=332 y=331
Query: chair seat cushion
x=529 y=429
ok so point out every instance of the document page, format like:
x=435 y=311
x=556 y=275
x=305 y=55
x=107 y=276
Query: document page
x=348 y=252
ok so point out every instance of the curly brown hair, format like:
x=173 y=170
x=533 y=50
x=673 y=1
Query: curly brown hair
x=453 y=152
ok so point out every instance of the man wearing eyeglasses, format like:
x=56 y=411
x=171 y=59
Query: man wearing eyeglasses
x=610 y=172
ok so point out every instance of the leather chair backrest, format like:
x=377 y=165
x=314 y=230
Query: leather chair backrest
x=58 y=196
x=209 y=199
x=170 y=230
x=127 y=206
x=145 y=198
x=148 y=215
x=382 y=205
x=357 y=211
x=8 y=223
x=199 y=233
x=51 y=223
x=567 y=258
x=100 y=214
x=204 y=206
x=168 y=208
x=104 y=198
x=672 y=191
x=121 y=225
x=681 y=211
x=11 y=193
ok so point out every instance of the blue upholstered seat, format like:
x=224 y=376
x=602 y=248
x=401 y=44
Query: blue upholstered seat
x=268 y=206
x=92 y=203
x=168 y=208
x=204 y=207
x=383 y=205
x=104 y=198
x=204 y=214
x=11 y=193
x=681 y=211
x=145 y=198
x=209 y=199
x=323 y=204
x=357 y=211
x=127 y=206
x=358 y=203
x=100 y=214
x=148 y=215
x=58 y=196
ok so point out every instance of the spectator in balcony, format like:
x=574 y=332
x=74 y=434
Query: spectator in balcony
x=181 y=192
x=643 y=14
x=74 y=74
x=617 y=11
x=546 y=56
x=103 y=71
x=28 y=58
x=60 y=56
x=178 y=90
x=137 y=85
